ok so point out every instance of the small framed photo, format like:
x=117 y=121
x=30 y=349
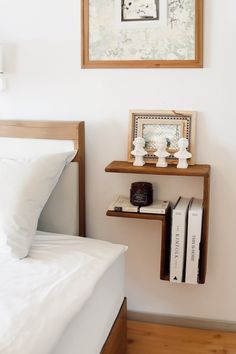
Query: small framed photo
x=140 y=10
x=172 y=125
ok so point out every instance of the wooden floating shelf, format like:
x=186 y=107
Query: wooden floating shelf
x=151 y=169
x=171 y=170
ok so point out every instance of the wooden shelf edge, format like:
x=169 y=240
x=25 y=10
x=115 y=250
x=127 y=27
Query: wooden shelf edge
x=123 y=214
x=127 y=167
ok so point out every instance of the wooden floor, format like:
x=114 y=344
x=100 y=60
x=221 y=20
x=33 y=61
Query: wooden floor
x=146 y=338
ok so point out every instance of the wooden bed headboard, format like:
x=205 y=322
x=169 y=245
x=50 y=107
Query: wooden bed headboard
x=54 y=130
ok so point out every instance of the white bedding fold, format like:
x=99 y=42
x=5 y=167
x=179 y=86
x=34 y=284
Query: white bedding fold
x=40 y=294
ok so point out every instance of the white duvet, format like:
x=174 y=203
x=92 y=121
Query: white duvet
x=40 y=294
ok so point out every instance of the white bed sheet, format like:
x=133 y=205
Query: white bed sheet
x=88 y=331
x=42 y=293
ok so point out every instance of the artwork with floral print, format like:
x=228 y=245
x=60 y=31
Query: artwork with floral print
x=143 y=40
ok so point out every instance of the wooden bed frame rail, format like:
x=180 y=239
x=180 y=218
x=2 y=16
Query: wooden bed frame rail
x=117 y=341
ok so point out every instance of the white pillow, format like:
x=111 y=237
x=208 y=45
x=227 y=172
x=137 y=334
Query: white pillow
x=25 y=186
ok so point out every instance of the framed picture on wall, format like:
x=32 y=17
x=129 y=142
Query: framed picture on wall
x=172 y=125
x=142 y=33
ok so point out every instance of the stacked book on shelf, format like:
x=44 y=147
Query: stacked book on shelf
x=123 y=204
x=186 y=233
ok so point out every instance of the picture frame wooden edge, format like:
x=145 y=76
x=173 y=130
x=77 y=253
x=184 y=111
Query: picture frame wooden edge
x=140 y=64
x=86 y=63
x=167 y=112
x=192 y=146
x=84 y=34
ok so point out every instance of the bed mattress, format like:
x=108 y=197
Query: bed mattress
x=42 y=294
x=88 y=331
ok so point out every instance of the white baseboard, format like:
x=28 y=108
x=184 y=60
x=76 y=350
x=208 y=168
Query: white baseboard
x=189 y=322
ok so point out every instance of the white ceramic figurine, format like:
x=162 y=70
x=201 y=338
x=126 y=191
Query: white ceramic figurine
x=183 y=154
x=161 y=152
x=139 y=152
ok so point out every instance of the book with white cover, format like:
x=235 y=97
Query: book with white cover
x=195 y=214
x=123 y=204
x=157 y=207
x=178 y=240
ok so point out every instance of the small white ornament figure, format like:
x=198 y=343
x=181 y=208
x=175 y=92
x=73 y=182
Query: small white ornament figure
x=183 y=154
x=139 y=152
x=161 y=152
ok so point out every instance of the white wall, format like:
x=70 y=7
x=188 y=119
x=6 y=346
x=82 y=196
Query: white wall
x=45 y=82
